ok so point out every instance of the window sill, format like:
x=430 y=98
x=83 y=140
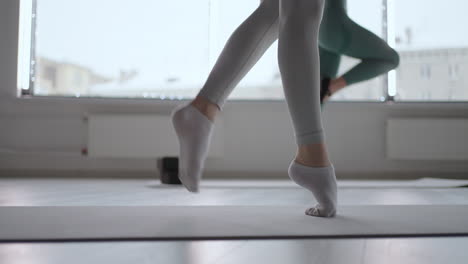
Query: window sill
x=140 y=101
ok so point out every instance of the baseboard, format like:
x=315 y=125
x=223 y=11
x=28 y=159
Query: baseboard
x=110 y=174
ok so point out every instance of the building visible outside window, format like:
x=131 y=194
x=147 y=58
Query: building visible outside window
x=165 y=49
x=425 y=71
x=453 y=72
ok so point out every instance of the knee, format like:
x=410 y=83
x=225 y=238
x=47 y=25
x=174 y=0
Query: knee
x=394 y=58
x=302 y=9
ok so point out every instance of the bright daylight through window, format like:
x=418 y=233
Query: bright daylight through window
x=165 y=49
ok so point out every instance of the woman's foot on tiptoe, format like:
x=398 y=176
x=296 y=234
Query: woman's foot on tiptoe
x=321 y=182
x=194 y=132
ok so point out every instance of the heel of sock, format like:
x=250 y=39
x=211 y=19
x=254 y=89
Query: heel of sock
x=297 y=172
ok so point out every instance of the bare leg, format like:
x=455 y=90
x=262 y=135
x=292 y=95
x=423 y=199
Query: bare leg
x=335 y=86
x=209 y=109
x=313 y=155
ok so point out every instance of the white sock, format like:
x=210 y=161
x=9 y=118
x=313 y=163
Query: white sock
x=321 y=182
x=194 y=131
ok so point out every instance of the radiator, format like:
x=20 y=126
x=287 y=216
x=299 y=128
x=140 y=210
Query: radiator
x=139 y=136
x=427 y=139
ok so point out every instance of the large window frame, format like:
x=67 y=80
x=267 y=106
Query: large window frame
x=389 y=84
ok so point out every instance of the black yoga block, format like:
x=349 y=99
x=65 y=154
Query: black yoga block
x=169 y=170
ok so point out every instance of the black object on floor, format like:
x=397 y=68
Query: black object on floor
x=169 y=170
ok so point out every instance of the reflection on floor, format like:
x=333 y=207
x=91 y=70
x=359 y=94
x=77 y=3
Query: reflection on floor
x=75 y=192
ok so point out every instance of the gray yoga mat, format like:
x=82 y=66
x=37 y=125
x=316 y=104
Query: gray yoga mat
x=419 y=183
x=226 y=222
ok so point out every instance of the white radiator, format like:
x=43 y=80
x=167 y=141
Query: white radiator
x=139 y=136
x=427 y=139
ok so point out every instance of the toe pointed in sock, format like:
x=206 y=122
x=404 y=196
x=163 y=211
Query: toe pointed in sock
x=321 y=182
x=193 y=131
x=189 y=183
x=321 y=212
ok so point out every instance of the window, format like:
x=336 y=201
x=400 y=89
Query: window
x=433 y=52
x=453 y=72
x=425 y=71
x=165 y=49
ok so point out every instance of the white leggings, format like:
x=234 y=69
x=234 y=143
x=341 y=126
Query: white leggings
x=295 y=23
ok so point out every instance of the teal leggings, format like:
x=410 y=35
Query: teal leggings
x=339 y=35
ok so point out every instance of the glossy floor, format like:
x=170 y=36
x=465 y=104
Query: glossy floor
x=76 y=192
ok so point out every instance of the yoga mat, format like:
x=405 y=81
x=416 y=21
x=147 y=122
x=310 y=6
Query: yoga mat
x=43 y=224
x=419 y=183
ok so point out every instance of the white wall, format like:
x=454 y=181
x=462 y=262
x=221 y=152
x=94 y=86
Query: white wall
x=258 y=134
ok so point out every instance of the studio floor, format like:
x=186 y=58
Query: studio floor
x=141 y=192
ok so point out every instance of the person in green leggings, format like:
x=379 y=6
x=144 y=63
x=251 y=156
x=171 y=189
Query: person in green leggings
x=339 y=35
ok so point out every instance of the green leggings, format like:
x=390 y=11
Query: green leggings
x=339 y=35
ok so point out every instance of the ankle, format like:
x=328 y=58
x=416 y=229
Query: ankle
x=313 y=155
x=207 y=108
x=337 y=84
